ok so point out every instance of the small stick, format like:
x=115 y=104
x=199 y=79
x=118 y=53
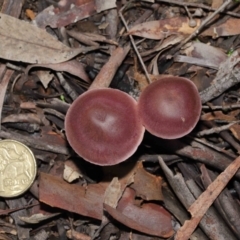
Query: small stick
x=134 y=46
x=227 y=76
x=224 y=108
x=198 y=5
x=216 y=129
x=213 y=146
x=107 y=72
x=69 y=90
x=201 y=205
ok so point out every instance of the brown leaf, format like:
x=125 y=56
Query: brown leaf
x=235 y=129
x=72 y=234
x=71 y=12
x=163 y=28
x=21 y=41
x=73 y=67
x=228 y=28
x=151 y=218
x=202 y=50
x=23 y=117
x=71 y=171
x=113 y=193
x=218 y=115
x=37 y=218
x=8 y=211
x=45 y=77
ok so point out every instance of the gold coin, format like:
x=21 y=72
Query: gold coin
x=18 y=168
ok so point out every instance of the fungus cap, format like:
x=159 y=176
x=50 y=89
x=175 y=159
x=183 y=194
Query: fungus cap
x=103 y=126
x=170 y=107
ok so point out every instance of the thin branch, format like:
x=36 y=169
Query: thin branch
x=227 y=76
x=216 y=129
x=198 y=5
x=205 y=200
x=134 y=45
x=213 y=146
x=224 y=108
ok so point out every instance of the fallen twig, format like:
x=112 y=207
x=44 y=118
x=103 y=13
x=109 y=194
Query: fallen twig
x=186 y=197
x=134 y=46
x=201 y=205
x=227 y=76
x=198 y=5
x=216 y=129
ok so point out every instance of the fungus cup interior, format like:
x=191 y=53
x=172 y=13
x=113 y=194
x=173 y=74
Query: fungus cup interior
x=170 y=107
x=103 y=126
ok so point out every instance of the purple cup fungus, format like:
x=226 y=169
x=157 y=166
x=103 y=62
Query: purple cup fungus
x=170 y=107
x=102 y=125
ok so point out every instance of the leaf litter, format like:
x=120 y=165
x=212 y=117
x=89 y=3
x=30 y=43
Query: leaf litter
x=42 y=72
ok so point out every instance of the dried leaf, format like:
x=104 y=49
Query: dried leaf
x=71 y=11
x=8 y=211
x=23 y=117
x=45 y=77
x=71 y=171
x=113 y=193
x=202 y=50
x=21 y=41
x=228 y=28
x=235 y=129
x=72 y=234
x=37 y=218
x=73 y=67
x=163 y=28
x=218 y=115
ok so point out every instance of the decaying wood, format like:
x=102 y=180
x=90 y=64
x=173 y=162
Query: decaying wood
x=37 y=143
x=227 y=76
x=105 y=76
x=205 y=200
x=226 y=205
x=187 y=198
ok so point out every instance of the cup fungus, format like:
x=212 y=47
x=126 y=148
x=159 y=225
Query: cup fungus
x=103 y=127
x=102 y=124
x=170 y=107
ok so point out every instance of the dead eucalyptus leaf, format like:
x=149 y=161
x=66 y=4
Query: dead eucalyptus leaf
x=23 y=118
x=68 y=12
x=73 y=67
x=71 y=171
x=201 y=51
x=45 y=77
x=21 y=41
x=163 y=28
x=228 y=28
x=113 y=193
x=37 y=218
